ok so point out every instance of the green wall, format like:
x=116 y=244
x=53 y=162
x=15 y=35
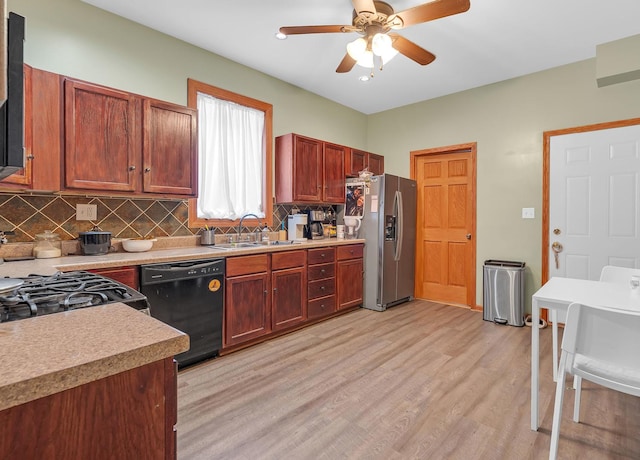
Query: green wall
x=506 y=119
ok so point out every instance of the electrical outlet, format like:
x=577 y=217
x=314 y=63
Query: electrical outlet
x=528 y=213
x=86 y=212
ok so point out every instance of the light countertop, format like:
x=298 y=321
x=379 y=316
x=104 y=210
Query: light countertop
x=52 y=353
x=118 y=259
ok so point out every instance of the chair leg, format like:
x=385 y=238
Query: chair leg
x=577 y=383
x=554 y=336
x=557 y=408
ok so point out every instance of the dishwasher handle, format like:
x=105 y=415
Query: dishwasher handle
x=158 y=273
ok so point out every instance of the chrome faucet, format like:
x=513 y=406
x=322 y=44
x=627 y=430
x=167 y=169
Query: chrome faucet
x=240 y=224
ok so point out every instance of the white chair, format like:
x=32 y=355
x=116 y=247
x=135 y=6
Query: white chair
x=621 y=275
x=608 y=274
x=600 y=345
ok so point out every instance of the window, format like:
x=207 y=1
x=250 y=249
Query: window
x=234 y=150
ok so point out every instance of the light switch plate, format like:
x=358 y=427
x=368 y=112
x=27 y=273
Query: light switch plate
x=86 y=212
x=528 y=213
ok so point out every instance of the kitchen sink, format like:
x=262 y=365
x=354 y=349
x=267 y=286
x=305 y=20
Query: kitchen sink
x=252 y=244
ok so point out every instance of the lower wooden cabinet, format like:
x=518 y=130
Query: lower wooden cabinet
x=130 y=415
x=349 y=272
x=129 y=275
x=267 y=294
x=247 y=312
x=321 y=273
x=288 y=298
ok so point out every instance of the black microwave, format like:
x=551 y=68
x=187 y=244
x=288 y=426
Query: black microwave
x=12 y=110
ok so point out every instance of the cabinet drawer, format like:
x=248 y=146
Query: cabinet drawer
x=321 y=255
x=322 y=288
x=318 y=272
x=246 y=265
x=352 y=251
x=322 y=306
x=288 y=259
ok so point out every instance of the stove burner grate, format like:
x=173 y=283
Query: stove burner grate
x=41 y=295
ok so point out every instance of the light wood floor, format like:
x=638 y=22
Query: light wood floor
x=419 y=381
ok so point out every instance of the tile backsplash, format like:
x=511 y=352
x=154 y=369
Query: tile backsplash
x=27 y=214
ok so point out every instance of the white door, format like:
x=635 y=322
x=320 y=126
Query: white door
x=594 y=201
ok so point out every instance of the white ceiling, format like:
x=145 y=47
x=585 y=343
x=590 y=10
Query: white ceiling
x=495 y=40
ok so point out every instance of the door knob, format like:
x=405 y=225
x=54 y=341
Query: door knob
x=468 y=236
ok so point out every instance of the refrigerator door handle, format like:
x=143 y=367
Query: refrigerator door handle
x=399 y=224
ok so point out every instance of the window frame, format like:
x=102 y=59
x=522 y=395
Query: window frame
x=193 y=88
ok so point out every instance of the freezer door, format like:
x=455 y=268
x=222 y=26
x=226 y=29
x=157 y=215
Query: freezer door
x=389 y=213
x=407 y=237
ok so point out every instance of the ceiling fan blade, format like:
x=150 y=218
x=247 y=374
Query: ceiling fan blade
x=364 y=6
x=346 y=64
x=427 y=12
x=411 y=50
x=295 y=30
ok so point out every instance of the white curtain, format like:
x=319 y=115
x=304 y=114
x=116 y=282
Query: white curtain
x=230 y=159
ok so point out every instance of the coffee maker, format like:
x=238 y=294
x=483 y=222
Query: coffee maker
x=314 y=229
x=297 y=224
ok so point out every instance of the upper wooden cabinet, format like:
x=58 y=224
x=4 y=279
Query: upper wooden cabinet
x=42 y=121
x=119 y=142
x=333 y=168
x=308 y=170
x=358 y=160
x=376 y=164
x=101 y=138
x=169 y=148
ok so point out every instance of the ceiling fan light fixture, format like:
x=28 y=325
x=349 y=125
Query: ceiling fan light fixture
x=382 y=46
x=357 y=48
x=366 y=59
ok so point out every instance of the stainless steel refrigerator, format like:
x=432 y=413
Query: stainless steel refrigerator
x=389 y=228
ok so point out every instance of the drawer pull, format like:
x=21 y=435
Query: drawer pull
x=322 y=271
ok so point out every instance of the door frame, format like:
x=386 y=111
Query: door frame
x=546 y=177
x=471 y=148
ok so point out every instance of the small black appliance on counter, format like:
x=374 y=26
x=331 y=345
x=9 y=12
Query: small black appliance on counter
x=314 y=229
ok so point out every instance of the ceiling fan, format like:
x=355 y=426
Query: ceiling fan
x=374 y=20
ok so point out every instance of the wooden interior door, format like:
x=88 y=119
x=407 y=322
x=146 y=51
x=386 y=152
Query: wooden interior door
x=446 y=222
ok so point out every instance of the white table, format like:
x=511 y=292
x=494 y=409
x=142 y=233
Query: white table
x=557 y=294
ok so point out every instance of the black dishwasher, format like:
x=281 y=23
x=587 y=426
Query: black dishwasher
x=188 y=296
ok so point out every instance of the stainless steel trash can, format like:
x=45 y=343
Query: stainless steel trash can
x=503 y=292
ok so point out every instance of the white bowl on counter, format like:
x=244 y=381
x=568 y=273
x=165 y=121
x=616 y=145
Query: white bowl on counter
x=137 y=245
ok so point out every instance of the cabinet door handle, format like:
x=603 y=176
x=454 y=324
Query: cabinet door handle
x=275 y=289
x=147 y=170
x=132 y=168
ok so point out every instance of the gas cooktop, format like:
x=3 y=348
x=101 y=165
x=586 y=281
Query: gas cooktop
x=37 y=295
